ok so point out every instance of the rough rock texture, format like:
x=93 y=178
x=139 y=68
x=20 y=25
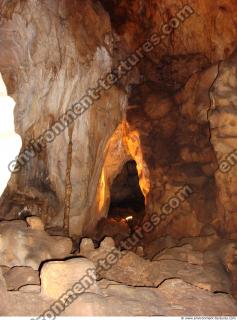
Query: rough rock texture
x=203 y=33
x=168 y=111
x=169 y=296
x=57 y=277
x=119 y=300
x=3 y=295
x=169 y=107
x=178 y=154
x=30 y=288
x=223 y=123
x=61 y=50
x=164 y=126
x=214 y=303
x=184 y=253
x=22 y=246
x=152 y=248
x=86 y=246
x=130 y=269
x=109 y=227
x=35 y=223
x=174 y=114
x=18 y=277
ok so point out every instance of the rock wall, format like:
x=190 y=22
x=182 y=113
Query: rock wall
x=201 y=34
x=51 y=52
x=160 y=115
x=176 y=148
x=169 y=107
x=223 y=123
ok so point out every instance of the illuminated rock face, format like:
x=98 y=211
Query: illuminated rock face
x=10 y=142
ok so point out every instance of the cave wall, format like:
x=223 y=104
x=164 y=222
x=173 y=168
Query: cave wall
x=201 y=34
x=178 y=153
x=222 y=117
x=51 y=52
x=169 y=107
x=163 y=114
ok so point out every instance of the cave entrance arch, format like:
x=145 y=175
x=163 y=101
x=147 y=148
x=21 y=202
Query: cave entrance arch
x=126 y=198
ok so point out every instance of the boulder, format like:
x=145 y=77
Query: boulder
x=107 y=244
x=17 y=277
x=57 y=277
x=128 y=268
x=109 y=227
x=171 y=298
x=183 y=253
x=86 y=245
x=188 y=299
x=153 y=247
x=35 y=223
x=23 y=246
x=4 y=269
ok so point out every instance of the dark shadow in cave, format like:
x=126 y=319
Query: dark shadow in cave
x=126 y=198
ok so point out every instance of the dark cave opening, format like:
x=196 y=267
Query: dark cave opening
x=126 y=199
x=127 y=206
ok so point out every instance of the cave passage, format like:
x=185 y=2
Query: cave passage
x=126 y=196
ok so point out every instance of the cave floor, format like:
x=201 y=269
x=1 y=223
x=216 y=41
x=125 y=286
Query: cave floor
x=38 y=273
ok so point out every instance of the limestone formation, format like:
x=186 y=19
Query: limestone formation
x=182 y=262
x=23 y=246
x=30 y=288
x=120 y=300
x=164 y=301
x=58 y=277
x=86 y=245
x=35 y=223
x=18 y=277
x=127 y=115
x=56 y=58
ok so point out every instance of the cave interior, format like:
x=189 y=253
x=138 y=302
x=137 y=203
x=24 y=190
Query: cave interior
x=119 y=136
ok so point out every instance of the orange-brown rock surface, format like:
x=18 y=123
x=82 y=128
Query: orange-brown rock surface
x=170 y=110
x=161 y=114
